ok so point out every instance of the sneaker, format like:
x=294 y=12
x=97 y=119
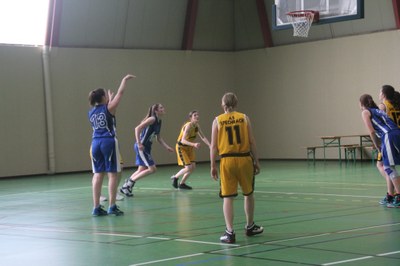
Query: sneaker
x=119 y=197
x=228 y=237
x=114 y=210
x=127 y=191
x=395 y=203
x=184 y=186
x=99 y=211
x=174 y=181
x=103 y=198
x=387 y=199
x=253 y=230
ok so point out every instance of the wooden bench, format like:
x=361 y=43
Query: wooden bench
x=350 y=152
x=311 y=151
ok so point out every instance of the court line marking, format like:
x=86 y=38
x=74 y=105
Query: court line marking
x=168 y=259
x=114 y=234
x=331 y=233
x=345 y=261
x=200 y=191
x=361 y=258
x=389 y=253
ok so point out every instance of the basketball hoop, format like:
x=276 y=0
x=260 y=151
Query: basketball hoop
x=302 y=20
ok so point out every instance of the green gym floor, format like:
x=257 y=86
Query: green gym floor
x=322 y=214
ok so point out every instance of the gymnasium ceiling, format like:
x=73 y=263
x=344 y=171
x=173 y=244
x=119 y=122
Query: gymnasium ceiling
x=198 y=25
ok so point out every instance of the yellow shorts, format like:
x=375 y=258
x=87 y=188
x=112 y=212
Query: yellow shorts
x=185 y=155
x=236 y=171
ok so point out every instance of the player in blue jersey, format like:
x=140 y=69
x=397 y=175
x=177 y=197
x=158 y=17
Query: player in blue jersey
x=145 y=132
x=390 y=103
x=104 y=150
x=385 y=136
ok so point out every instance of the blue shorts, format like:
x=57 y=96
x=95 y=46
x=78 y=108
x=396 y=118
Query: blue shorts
x=143 y=158
x=105 y=155
x=390 y=148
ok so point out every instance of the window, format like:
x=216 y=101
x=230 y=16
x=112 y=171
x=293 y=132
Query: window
x=23 y=21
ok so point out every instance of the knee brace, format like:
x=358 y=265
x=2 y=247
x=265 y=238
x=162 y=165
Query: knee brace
x=391 y=172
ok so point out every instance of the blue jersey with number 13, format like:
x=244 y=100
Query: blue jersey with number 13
x=103 y=122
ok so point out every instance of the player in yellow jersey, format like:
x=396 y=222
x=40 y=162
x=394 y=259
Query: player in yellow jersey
x=390 y=103
x=186 y=143
x=232 y=139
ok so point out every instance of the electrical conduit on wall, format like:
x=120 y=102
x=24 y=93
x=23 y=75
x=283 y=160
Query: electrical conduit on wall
x=49 y=110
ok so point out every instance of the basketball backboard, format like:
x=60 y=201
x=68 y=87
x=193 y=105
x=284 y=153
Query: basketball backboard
x=330 y=11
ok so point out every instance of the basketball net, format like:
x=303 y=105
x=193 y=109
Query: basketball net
x=301 y=22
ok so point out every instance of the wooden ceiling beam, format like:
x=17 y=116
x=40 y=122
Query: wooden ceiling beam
x=396 y=10
x=265 y=29
x=54 y=23
x=190 y=24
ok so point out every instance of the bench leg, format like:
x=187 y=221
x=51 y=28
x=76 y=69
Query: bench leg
x=311 y=151
x=350 y=154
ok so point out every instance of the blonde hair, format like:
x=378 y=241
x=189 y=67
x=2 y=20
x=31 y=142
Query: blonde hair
x=229 y=100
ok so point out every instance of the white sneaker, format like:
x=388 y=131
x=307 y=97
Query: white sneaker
x=119 y=197
x=103 y=198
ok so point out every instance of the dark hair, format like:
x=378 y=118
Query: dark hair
x=192 y=113
x=152 y=110
x=367 y=101
x=391 y=95
x=96 y=96
x=388 y=91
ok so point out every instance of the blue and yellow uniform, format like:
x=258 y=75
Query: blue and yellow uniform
x=185 y=153
x=143 y=158
x=236 y=166
x=105 y=154
x=394 y=114
x=389 y=134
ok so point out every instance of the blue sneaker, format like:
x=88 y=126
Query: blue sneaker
x=99 y=211
x=395 y=203
x=387 y=199
x=114 y=210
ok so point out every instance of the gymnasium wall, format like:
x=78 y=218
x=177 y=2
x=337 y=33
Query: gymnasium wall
x=297 y=93
x=181 y=81
x=293 y=94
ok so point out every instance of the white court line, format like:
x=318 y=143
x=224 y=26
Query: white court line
x=296 y=238
x=389 y=253
x=360 y=258
x=202 y=191
x=208 y=243
x=345 y=261
x=331 y=233
x=113 y=234
x=366 y=228
x=168 y=259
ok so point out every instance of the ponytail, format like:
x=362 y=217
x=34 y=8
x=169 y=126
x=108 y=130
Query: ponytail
x=152 y=110
x=96 y=96
x=367 y=101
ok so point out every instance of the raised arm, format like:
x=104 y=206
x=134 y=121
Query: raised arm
x=114 y=101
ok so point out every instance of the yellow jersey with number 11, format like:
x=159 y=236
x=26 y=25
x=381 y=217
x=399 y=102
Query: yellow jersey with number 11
x=233 y=135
